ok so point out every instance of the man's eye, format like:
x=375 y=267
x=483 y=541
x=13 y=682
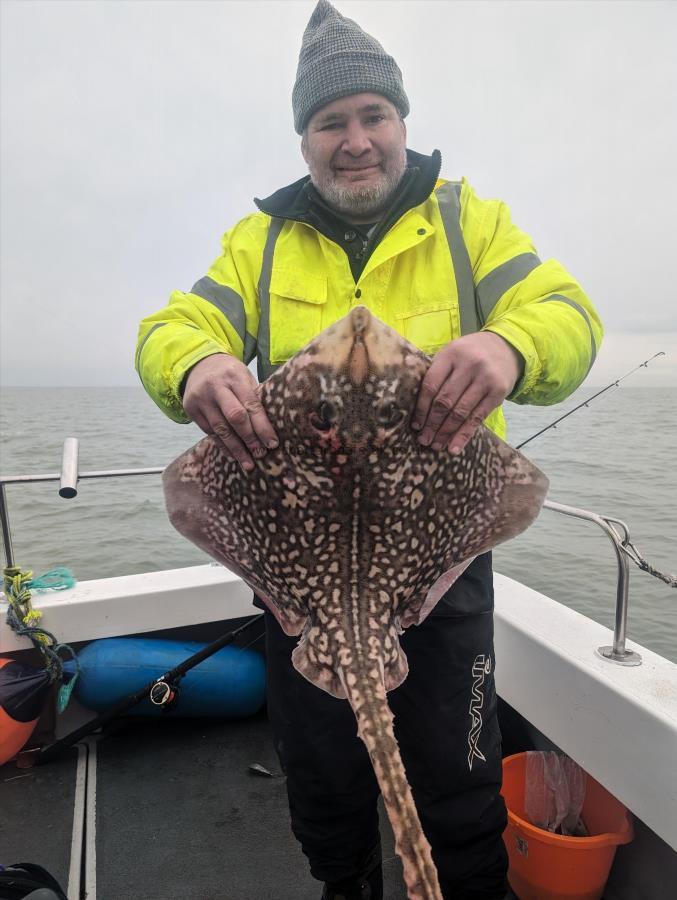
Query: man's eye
x=375 y=119
x=331 y=126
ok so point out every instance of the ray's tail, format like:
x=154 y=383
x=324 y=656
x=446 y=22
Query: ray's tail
x=367 y=696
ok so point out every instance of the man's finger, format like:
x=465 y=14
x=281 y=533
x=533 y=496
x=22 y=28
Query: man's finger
x=202 y=422
x=432 y=383
x=472 y=423
x=223 y=428
x=231 y=443
x=444 y=404
x=461 y=411
x=261 y=423
x=238 y=419
x=245 y=389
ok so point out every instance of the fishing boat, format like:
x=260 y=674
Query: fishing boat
x=174 y=807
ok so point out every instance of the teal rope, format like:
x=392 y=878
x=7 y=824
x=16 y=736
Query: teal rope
x=55 y=580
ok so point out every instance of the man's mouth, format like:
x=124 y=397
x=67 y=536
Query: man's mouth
x=357 y=173
x=375 y=167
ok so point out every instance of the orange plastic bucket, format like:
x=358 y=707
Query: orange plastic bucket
x=547 y=866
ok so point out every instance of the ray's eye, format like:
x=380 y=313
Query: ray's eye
x=323 y=417
x=389 y=415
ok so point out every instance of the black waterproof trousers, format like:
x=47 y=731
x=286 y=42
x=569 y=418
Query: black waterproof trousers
x=447 y=729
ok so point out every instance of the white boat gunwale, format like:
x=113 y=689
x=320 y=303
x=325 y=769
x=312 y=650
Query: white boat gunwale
x=619 y=723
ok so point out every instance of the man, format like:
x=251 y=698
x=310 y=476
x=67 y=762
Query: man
x=375 y=225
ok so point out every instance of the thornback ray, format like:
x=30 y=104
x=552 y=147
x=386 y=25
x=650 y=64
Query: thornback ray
x=351 y=530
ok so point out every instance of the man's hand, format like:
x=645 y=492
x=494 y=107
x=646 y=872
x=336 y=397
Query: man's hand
x=221 y=398
x=466 y=380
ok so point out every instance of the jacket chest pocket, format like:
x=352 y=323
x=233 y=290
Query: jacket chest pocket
x=297 y=299
x=430 y=325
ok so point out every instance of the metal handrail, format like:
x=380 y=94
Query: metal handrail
x=56 y=476
x=617 y=652
x=69 y=477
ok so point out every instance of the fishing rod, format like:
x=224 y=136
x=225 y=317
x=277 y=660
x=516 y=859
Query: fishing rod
x=626 y=544
x=162 y=691
x=590 y=399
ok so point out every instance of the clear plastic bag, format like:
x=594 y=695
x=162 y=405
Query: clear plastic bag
x=554 y=793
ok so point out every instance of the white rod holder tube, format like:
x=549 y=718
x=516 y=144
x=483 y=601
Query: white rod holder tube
x=69 y=469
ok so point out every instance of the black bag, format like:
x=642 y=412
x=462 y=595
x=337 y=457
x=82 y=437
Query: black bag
x=24 y=880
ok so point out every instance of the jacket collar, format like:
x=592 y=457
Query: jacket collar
x=301 y=202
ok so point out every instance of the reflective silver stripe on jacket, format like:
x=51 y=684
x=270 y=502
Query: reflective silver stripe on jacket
x=577 y=306
x=263 y=364
x=231 y=305
x=492 y=287
x=449 y=200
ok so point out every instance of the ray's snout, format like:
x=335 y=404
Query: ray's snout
x=362 y=344
x=360 y=319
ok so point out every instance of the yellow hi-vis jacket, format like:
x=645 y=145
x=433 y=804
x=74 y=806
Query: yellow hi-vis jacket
x=453 y=265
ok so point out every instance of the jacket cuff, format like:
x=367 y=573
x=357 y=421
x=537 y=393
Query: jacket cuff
x=179 y=374
x=523 y=343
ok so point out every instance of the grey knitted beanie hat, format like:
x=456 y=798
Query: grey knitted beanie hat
x=337 y=59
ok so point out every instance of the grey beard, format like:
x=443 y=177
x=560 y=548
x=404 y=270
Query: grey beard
x=361 y=201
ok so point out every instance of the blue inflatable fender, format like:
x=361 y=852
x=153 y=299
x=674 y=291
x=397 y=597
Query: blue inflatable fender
x=231 y=683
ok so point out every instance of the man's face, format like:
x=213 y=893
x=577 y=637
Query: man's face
x=355 y=149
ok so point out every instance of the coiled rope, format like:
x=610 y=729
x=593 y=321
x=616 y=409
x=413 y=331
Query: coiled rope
x=23 y=620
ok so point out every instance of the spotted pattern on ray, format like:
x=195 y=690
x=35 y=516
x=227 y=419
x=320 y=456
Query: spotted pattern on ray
x=351 y=530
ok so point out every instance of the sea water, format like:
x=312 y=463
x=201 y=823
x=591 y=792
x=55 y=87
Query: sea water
x=616 y=457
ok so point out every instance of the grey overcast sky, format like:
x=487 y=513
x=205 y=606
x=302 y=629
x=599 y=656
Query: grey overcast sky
x=135 y=133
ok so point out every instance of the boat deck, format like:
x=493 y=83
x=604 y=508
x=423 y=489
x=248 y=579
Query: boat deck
x=173 y=813
x=165 y=809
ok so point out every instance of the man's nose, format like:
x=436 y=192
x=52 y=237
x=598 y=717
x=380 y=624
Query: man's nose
x=356 y=140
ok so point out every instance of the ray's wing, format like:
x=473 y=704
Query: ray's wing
x=232 y=516
x=487 y=495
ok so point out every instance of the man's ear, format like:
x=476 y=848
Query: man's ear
x=304 y=147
